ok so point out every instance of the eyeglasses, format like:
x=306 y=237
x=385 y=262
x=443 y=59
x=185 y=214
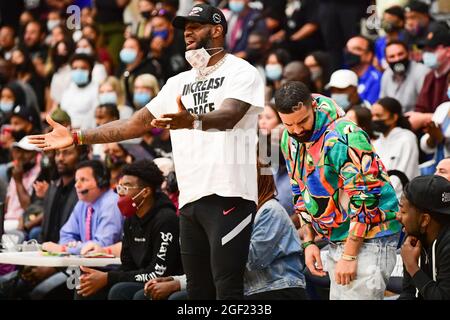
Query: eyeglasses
x=121 y=189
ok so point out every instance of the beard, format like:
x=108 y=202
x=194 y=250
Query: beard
x=303 y=138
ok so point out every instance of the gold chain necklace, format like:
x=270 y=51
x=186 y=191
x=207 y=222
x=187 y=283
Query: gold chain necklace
x=203 y=75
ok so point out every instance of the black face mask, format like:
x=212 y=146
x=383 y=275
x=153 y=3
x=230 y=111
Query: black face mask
x=389 y=27
x=253 y=55
x=18 y=135
x=146 y=14
x=399 y=67
x=380 y=126
x=351 y=60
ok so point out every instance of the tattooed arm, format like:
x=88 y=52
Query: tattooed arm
x=119 y=130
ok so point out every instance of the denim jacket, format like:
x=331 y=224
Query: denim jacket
x=274 y=256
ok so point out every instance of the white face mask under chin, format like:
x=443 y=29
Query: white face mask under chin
x=199 y=58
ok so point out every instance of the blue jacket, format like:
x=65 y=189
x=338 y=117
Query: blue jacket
x=274 y=257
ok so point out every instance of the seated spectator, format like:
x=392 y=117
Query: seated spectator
x=256 y=51
x=106 y=113
x=145 y=88
x=425 y=214
x=26 y=72
x=392 y=22
x=87 y=46
x=24 y=173
x=33 y=40
x=298 y=71
x=273 y=272
x=396 y=144
x=60 y=71
x=95 y=217
x=275 y=63
x=134 y=63
x=443 y=168
x=437 y=133
x=150 y=246
x=434 y=89
x=80 y=99
x=167 y=45
x=404 y=78
x=143 y=27
x=270 y=133
x=111 y=92
x=318 y=63
x=343 y=87
x=362 y=116
x=7 y=41
x=90 y=31
x=358 y=56
x=242 y=20
x=116 y=157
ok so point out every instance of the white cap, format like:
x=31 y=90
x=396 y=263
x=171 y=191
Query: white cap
x=25 y=145
x=165 y=165
x=342 y=79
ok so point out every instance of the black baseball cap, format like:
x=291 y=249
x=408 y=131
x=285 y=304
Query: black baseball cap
x=204 y=14
x=417 y=6
x=429 y=193
x=439 y=35
x=25 y=113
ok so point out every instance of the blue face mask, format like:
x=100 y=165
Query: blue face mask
x=164 y=34
x=341 y=99
x=236 y=6
x=430 y=59
x=274 y=71
x=128 y=56
x=80 y=77
x=141 y=98
x=107 y=98
x=6 y=106
x=448 y=92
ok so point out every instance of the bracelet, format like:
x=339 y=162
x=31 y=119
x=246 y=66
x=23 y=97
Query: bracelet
x=64 y=248
x=108 y=251
x=347 y=257
x=307 y=244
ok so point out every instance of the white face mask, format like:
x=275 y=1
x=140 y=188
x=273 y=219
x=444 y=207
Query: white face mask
x=199 y=58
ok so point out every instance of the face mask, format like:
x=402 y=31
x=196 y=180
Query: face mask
x=164 y=34
x=127 y=206
x=236 y=6
x=18 y=135
x=128 y=56
x=430 y=59
x=141 y=98
x=448 y=92
x=146 y=15
x=6 y=106
x=87 y=51
x=380 y=126
x=107 y=98
x=199 y=58
x=400 y=67
x=316 y=74
x=389 y=27
x=341 y=99
x=351 y=60
x=52 y=24
x=274 y=71
x=80 y=77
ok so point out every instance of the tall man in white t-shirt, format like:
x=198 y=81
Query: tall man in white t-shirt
x=212 y=113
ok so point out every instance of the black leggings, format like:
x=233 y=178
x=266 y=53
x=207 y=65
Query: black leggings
x=215 y=237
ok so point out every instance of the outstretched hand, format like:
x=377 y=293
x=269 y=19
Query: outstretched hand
x=180 y=120
x=59 y=138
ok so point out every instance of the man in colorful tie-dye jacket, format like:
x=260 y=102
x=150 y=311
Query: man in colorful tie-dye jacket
x=341 y=191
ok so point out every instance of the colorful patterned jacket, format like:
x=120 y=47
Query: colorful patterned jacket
x=339 y=184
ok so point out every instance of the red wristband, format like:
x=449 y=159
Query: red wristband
x=64 y=248
x=76 y=139
x=108 y=251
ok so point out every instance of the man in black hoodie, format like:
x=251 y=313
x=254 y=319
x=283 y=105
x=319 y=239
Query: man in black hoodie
x=150 y=244
x=425 y=214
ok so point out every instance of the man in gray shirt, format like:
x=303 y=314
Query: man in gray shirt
x=404 y=78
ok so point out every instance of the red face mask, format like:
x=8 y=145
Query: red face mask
x=127 y=206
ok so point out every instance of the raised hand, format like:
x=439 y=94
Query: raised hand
x=59 y=138
x=181 y=120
